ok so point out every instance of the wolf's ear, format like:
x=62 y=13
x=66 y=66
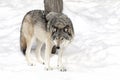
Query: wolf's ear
x=51 y=15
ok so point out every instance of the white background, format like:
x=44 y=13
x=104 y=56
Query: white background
x=94 y=53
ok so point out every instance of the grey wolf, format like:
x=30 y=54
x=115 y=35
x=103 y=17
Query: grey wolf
x=54 y=29
x=53 y=6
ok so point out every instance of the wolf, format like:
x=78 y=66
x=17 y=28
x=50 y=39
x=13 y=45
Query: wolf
x=54 y=29
x=53 y=6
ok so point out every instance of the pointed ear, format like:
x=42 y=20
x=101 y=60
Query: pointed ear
x=51 y=15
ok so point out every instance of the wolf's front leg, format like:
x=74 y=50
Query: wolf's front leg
x=59 y=63
x=48 y=49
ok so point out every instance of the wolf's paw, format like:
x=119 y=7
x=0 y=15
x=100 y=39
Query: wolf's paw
x=32 y=64
x=41 y=62
x=49 y=68
x=62 y=69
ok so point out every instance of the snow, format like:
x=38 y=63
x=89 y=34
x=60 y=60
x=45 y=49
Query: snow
x=94 y=53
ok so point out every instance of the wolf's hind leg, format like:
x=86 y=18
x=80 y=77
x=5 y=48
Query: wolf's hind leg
x=38 y=52
x=28 y=50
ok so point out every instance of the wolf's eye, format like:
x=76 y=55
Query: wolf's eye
x=54 y=29
x=66 y=28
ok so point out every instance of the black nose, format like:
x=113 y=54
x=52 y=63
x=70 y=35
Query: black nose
x=58 y=47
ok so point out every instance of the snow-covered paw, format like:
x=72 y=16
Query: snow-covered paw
x=31 y=64
x=62 y=69
x=48 y=68
x=41 y=62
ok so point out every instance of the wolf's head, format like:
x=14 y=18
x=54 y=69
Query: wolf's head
x=60 y=27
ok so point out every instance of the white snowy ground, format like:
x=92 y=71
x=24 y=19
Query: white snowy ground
x=93 y=55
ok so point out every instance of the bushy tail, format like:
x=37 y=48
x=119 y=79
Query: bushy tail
x=23 y=44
